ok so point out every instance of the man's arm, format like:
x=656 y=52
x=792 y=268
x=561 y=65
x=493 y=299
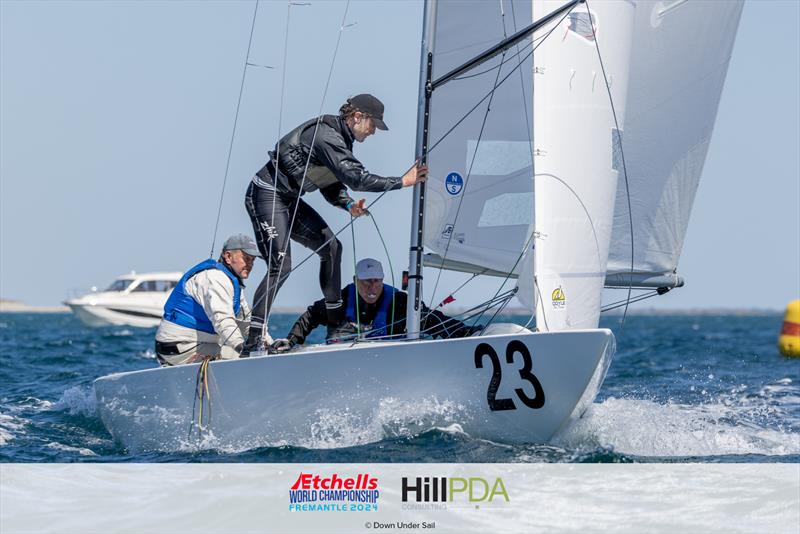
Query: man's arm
x=336 y=194
x=437 y=324
x=213 y=290
x=331 y=150
x=314 y=316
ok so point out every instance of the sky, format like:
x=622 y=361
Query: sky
x=116 y=120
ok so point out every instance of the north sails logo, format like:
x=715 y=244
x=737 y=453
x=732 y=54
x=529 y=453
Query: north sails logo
x=315 y=493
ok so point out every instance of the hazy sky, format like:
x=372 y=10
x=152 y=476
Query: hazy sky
x=116 y=119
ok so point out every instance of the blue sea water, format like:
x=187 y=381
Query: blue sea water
x=681 y=389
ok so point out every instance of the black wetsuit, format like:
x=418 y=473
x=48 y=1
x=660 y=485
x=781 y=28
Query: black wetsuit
x=272 y=198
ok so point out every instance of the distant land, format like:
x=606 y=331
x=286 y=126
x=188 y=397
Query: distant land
x=15 y=306
x=21 y=307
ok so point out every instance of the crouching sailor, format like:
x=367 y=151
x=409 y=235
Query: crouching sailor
x=373 y=309
x=206 y=314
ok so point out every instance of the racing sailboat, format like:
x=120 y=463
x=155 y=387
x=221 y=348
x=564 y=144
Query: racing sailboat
x=526 y=120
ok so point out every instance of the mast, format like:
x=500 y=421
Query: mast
x=414 y=306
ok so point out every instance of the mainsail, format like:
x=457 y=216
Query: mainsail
x=679 y=61
x=479 y=197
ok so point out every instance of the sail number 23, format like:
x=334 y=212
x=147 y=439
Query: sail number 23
x=514 y=347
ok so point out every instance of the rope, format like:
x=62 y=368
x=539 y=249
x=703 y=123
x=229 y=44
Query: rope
x=622 y=155
x=201 y=393
x=233 y=133
x=389 y=260
x=358 y=311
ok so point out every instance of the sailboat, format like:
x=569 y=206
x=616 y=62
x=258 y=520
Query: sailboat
x=565 y=142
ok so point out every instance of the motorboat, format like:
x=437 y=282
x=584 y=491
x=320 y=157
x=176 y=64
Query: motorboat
x=131 y=300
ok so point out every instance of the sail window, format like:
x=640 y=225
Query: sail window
x=508 y=209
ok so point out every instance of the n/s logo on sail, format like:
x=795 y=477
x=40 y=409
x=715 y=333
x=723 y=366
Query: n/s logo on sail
x=558 y=298
x=454 y=183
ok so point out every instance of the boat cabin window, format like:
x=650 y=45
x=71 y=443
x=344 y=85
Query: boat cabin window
x=119 y=285
x=157 y=286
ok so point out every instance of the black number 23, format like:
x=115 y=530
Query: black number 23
x=514 y=346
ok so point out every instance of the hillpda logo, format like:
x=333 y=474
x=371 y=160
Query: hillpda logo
x=334 y=493
x=454 y=489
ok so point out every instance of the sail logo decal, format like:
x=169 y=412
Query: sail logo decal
x=582 y=24
x=559 y=298
x=447 y=231
x=454 y=183
x=334 y=493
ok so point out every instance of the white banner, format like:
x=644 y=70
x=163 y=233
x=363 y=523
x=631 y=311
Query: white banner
x=288 y=498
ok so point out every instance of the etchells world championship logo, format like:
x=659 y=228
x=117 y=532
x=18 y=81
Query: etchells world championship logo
x=334 y=493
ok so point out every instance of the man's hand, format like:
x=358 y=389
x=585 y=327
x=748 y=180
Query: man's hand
x=357 y=208
x=416 y=174
x=282 y=345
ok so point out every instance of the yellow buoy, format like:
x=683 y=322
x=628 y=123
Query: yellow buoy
x=789 y=340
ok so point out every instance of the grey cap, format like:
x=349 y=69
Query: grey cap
x=243 y=243
x=369 y=269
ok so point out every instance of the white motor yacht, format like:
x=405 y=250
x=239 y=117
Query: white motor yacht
x=131 y=300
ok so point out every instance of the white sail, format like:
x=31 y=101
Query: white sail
x=479 y=196
x=678 y=66
x=576 y=141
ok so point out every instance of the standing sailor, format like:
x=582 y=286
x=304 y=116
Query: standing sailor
x=318 y=154
x=206 y=313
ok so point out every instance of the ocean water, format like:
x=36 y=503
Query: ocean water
x=681 y=389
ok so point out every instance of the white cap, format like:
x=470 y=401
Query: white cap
x=369 y=268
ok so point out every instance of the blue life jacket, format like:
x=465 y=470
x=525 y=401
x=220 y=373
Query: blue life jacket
x=183 y=310
x=379 y=324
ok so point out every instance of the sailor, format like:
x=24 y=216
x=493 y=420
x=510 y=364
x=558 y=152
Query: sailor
x=206 y=313
x=278 y=213
x=375 y=309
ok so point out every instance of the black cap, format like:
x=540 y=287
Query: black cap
x=371 y=106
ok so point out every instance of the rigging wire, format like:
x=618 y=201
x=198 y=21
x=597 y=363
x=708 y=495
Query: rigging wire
x=469 y=175
x=622 y=156
x=233 y=133
x=282 y=254
x=265 y=326
x=442 y=138
x=480 y=135
x=529 y=131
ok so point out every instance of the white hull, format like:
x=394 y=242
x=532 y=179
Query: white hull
x=95 y=315
x=343 y=395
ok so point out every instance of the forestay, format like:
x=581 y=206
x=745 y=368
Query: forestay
x=678 y=65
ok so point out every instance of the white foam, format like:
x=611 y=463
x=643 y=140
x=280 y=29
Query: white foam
x=647 y=428
x=78 y=400
x=10 y=426
x=80 y=450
